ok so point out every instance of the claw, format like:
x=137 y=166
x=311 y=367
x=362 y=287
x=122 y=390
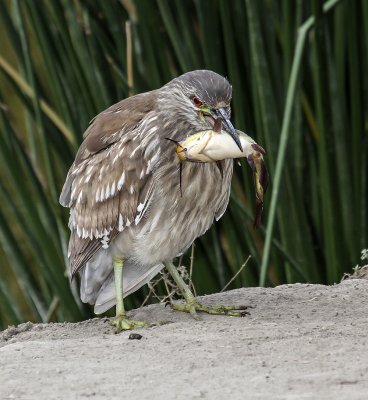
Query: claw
x=244 y=313
x=124 y=324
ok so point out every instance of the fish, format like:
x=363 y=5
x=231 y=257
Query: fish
x=216 y=144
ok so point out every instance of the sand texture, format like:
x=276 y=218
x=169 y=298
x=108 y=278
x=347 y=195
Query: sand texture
x=299 y=342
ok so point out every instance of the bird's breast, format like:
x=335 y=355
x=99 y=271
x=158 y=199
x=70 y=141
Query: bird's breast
x=183 y=206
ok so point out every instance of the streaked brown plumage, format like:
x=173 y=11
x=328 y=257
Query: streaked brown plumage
x=123 y=187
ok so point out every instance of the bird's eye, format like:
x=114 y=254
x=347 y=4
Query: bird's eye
x=196 y=101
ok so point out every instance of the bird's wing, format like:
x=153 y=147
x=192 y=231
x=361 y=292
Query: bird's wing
x=107 y=128
x=110 y=183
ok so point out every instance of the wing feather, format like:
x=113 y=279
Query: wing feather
x=109 y=185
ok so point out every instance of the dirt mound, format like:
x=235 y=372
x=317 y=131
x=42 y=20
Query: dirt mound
x=299 y=342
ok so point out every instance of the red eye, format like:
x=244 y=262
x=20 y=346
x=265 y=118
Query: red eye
x=196 y=101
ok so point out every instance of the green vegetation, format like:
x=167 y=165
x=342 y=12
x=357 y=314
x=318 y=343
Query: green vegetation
x=300 y=86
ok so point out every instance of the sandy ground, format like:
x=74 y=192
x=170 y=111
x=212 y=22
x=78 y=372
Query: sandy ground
x=300 y=342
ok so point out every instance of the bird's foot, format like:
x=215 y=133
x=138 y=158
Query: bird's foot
x=122 y=323
x=194 y=306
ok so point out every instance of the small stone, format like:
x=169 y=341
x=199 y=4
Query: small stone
x=135 y=336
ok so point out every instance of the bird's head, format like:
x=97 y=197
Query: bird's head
x=199 y=98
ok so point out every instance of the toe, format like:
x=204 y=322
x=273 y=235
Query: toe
x=123 y=324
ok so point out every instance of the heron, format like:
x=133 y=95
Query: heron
x=128 y=217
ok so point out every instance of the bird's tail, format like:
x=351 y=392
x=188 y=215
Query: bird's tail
x=98 y=285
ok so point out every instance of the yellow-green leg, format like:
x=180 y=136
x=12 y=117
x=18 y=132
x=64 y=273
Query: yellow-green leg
x=192 y=305
x=121 y=322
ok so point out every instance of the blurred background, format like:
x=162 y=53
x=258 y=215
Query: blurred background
x=300 y=88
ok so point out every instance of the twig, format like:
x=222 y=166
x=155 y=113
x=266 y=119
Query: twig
x=171 y=288
x=52 y=309
x=240 y=270
x=191 y=286
x=180 y=261
x=169 y=293
x=169 y=296
x=151 y=292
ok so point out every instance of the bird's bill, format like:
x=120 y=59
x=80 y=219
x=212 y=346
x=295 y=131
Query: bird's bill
x=223 y=116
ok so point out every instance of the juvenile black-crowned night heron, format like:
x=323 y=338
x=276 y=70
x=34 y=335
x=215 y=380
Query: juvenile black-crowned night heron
x=128 y=216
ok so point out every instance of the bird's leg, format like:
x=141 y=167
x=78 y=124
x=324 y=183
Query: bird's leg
x=192 y=305
x=121 y=322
